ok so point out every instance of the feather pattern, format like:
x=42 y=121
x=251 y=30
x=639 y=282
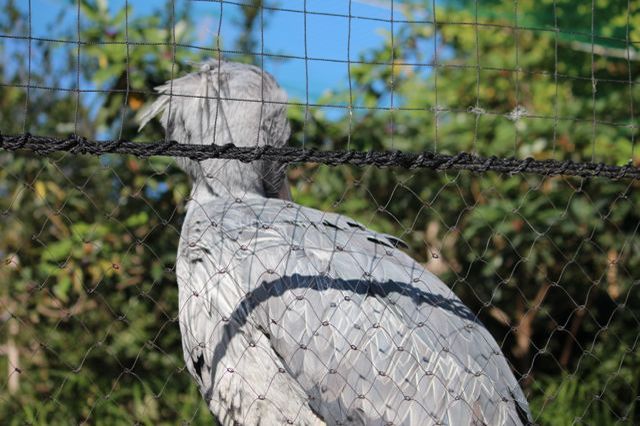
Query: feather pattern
x=348 y=327
x=290 y=315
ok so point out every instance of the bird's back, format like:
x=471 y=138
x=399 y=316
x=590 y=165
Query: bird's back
x=364 y=333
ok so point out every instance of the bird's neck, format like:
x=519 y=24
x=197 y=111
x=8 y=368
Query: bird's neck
x=202 y=193
x=224 y=179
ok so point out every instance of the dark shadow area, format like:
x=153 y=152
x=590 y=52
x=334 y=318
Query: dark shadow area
x=382 y=290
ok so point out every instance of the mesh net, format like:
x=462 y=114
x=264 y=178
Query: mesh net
x=93 y=328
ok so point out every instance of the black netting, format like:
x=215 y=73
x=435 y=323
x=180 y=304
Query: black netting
x=492 y=142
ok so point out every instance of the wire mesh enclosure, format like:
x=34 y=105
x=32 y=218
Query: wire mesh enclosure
x=334 y=212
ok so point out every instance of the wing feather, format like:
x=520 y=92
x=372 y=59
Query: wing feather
x=369 y=335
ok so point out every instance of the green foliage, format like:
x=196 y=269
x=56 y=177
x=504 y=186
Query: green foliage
x=88 y=244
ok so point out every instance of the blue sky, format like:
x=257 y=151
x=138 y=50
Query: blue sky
x=327 y=37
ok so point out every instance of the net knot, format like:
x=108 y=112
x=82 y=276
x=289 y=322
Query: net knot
x=260 y=151
x=78 y=144
x=24 y=140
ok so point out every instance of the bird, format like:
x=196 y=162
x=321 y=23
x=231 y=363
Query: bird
x=292 y=315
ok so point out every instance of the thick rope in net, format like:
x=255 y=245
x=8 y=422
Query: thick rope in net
x=44 y=145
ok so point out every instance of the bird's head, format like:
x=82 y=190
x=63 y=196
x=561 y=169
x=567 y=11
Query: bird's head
x=226 y=102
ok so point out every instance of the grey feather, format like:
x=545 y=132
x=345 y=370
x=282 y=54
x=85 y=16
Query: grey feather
x=290 y=314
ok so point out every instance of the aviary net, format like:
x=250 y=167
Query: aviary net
x=455 y=238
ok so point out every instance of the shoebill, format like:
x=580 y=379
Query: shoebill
x=291 y=315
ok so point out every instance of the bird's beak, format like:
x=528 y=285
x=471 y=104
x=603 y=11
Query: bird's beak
x=285 y=192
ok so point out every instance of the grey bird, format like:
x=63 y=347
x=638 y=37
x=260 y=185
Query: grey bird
x=291 y=315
